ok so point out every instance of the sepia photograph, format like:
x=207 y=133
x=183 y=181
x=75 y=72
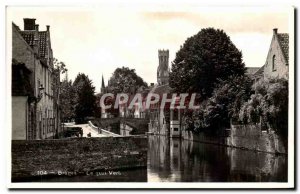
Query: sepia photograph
x=150 y=97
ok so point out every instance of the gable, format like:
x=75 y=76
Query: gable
x=276 y=64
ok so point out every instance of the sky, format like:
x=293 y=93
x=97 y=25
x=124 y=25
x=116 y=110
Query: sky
x=97 y=40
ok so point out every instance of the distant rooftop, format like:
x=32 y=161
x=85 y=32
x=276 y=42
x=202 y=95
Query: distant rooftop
x=251 y=70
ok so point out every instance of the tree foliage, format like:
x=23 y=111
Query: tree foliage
x=85 y=97
x=67 y=100
x=58 y=69
x=224 y=105
x=269 y=103
x=204 y=59
x=125 y=80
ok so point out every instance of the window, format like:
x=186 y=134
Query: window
x=38 y=85
x=40 y=129
x=175 y=115
x=175 y=129
x=52 y=127
x=44 y=125
x=274 y=63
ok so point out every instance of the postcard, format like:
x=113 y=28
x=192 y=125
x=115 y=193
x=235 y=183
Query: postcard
x=170 y=97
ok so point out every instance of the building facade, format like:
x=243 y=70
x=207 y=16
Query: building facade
x=277 y=62
x=32 y=48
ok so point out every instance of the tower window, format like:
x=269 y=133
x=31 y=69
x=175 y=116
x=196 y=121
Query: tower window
x=274 y=63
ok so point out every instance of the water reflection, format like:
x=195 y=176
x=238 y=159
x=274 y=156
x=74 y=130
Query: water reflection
x=186 y=161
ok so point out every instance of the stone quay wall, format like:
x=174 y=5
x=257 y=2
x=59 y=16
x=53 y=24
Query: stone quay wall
x=76 y=156
x=249 y=137
x=253 y=138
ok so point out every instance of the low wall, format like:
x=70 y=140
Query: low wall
x=76 y=156
x=104 y=132
x=105 y=122
x=139 y=125
x=242 y=136
x=125 y=130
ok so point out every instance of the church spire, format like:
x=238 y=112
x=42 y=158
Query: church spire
x=102 y=85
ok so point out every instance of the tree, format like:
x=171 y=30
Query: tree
x=67 y=100
x=276 y=111
x=235 y=91
x=58 y=69
x=85 y=97
x=204 y=59
x=270 y=103
x=226 y=101
x=252 y=109
x=224 y=105
x=125 y=80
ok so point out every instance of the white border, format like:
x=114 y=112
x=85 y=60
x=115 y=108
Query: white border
x=203 y=185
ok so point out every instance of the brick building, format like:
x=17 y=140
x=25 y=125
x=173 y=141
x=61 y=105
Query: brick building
x=35 y=91
x=277 y=62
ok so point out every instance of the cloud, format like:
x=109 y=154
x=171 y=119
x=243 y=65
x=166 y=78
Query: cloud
x=232 y=22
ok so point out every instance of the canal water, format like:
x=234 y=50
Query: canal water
x=175 y=160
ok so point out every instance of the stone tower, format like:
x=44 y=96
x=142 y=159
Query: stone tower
x=163 y=67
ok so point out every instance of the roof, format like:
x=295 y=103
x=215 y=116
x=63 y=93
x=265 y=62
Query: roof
x=43 y=43
x=161 y=89
x=284 y=43
x=29 y=38
x=260 y=71
x=251 y=70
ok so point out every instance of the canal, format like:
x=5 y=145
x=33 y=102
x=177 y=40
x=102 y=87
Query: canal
x=175 y=160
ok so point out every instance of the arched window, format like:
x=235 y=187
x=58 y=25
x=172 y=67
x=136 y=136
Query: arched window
x=274 y=63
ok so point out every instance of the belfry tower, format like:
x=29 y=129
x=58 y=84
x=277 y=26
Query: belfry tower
x=163 y=67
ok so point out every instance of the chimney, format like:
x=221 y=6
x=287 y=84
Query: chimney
x=36 y=39
x=36 y=27
x=48 y=27
x=275 y=31
x=29 y=24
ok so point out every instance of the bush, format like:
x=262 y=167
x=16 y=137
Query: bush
x=216 y=112
x=270 y=103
